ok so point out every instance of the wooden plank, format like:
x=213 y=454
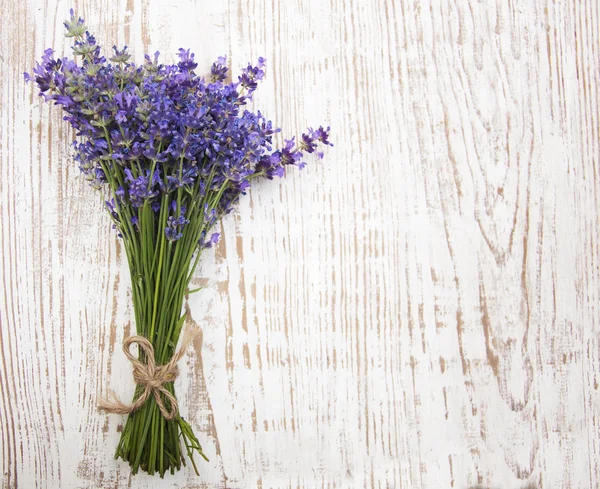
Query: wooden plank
x=419 y=310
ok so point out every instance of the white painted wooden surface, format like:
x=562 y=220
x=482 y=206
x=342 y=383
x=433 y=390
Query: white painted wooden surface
x=418 y=311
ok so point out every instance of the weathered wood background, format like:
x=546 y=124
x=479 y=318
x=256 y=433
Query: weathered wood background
x=420 y=310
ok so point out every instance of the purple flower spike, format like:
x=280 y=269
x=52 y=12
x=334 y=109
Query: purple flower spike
x=154 y=133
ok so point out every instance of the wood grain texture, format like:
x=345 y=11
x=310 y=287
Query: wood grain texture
x=421 y=310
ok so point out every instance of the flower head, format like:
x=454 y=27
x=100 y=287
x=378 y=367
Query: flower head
x=160 y=136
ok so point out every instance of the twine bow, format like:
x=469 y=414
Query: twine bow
x=150 y=376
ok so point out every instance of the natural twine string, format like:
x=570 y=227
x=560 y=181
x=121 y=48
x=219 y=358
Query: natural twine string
x=150 y=376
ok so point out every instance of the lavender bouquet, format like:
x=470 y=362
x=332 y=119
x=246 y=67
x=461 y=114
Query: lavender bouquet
x=171 y=152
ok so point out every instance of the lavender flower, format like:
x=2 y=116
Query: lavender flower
x=208 y=243
x=219 y=69
x=172 y=152
x=175 y=225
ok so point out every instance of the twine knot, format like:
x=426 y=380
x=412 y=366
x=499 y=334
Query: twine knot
x=151 y=377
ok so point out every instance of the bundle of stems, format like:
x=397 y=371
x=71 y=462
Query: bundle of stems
x=161 y=270
x=160 y=274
